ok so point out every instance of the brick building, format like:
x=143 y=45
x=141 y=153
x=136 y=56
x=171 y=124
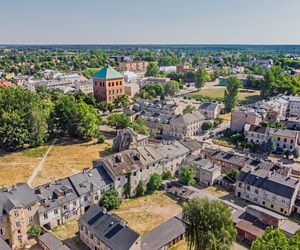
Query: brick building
x=108 y=84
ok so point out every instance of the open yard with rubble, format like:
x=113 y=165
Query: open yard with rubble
x=66 y=157
x=145 y=213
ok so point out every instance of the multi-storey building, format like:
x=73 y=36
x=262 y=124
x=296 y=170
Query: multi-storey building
x=108 y=84
x=268 y=187
x=133 y=66
x=101 y=230
x=282 y=139
x=18 y=211
x=244 y=116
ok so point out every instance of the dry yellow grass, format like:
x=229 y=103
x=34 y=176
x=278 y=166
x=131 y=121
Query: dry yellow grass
x=68 y=157
x=225 y=117
x=67 y=230
x=216 y=191
x=145 y=213
x=182 y=245
x=18 y=166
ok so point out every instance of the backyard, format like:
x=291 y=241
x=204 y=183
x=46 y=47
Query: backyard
x=145 y=213
x=67 y=156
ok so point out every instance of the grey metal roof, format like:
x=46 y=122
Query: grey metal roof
x=269 y=180
x=108 y=229
x=55 y=194
x=188 y=119
x=163 y=234
x=4 y=245
x=52 y=242
x=19 y=195
x=208 y=106
x=85 y=181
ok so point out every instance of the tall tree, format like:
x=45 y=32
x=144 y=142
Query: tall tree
x=187 y=176
x=152 y=69
x=111 y=200
x=171 y=88
x=201 y=78
x=122 y=101
x=208 y=224
x=118 y=121
x=154 y=182
x=231 y=93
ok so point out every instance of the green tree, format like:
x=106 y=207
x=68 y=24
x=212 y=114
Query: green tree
x=271 y=239
x=34 y=231
x=100 y=138
x=171 y=88
x=139 y=126
x=111 y=200
x=287 y=153
x=105 y=106
x=154 y=183
x=294 y=242
x=122 y=101
x=231 y=93
x=208 y=224
x=201 y=78
x=189 y=109
x=151 y=91
x=118 y=121
x=167 y=175
x=23 y=118
x=141 y=188
x=295 y=153
x=187 y=176
x=268 y=146
x=206 y=126
x=152 y=69
x=232 y=175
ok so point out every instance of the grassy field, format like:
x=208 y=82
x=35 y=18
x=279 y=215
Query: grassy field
x=145 y=213
x=70 y=156
x=67 y=230
x=244 y=94
x=18 y=166
x=66 y=157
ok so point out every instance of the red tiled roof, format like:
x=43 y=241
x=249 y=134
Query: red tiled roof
x=5 y=83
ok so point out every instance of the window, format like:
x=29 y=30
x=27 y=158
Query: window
x=16 y=213
x=281 y=210
x=75 y=212
x=113 y=84
x=264 y=203
x=284 y=140
x=248 y=187
x=292 y=141
x=85 y=198
x=74 y=203
x=55 y=211
x=29 y=209
x=240 y=184
x=2 y=231
x=92 y=236
x=18 y=224
x=45 y=216
x=256 y=191
x=278 y=139
x=120 y=83
x=96 y=197
x=30 y=220
x=65 y=207
x=272 y=205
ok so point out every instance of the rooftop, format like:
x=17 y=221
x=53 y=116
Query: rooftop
x=107 y=73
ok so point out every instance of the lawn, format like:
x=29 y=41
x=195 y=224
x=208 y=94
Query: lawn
x=69 y=156
x=67 y=230
x=145 y=213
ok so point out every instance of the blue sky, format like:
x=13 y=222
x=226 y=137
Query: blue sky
x=150 y=21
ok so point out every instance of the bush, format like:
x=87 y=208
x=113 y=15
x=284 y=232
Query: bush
x=100 y=139
x=34 y=231
x=141 y=189
x=206 y=126
x=167 y=175
x=187 y=176
x=111 y=200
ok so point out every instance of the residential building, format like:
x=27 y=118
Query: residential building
x=155 y=80
x=210 y=110
x=4 y=83
x=133 y=66
x=268 y=186
x=253 y=221
x=293 y=106
x=101 y=230
x=242 y=116
x=108 y=84
x=90 y=185
x=282 y=139
x=130 y=77
x=59 y=203
x=18 y=211
x=49 y=241
x=165 y=235
x=4 y=245
x=266 y=63
x=206 y=172
x=167 y=69
x=131 y=89
x=86 y=87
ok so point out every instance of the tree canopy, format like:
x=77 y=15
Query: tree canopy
x=111 y=200
x=154 y=182
x=152 y=69
x=171 y=88
x=187 y=176
x=231 y=93
x=201 y=78
x=208 y=224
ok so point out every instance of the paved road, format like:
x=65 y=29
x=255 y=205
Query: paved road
x=40 y=166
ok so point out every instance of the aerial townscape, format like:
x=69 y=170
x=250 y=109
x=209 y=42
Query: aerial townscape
x=123 y=127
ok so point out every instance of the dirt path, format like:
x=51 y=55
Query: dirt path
x=40 y=166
